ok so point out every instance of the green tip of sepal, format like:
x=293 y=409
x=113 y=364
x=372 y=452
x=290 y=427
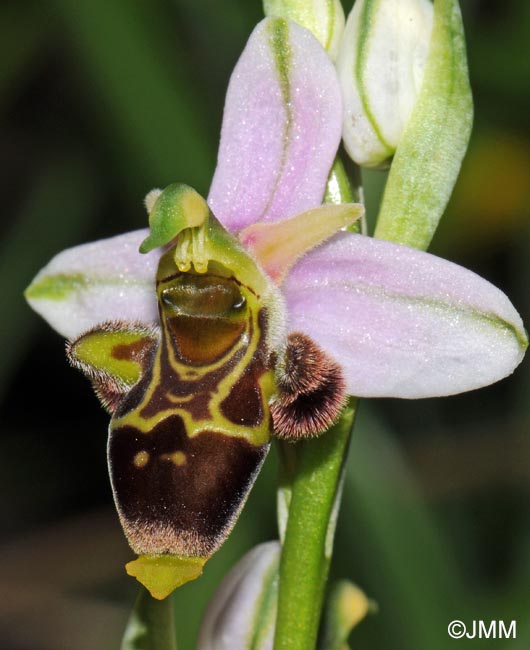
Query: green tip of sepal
x=58 y=286
x=176 y=208
x=522 y=336
x=162 y=574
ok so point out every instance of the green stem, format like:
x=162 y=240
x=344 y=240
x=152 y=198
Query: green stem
x=309 y=492
x=151 y=625
x=315 y=467
x=344 y=182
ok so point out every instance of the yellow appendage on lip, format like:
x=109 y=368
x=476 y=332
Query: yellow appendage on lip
x=162 y=574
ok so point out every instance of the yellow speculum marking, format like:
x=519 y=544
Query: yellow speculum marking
x=217 y=423
x=178 y=458
x=141 y=459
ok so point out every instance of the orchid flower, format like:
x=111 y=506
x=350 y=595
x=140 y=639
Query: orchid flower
x=256 y=313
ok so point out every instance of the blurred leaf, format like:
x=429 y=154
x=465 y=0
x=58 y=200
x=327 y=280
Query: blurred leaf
x=217 y=33
x=22 y=35
x=59 y=207
x=151 y=625
x=405 y=564
x=155 y=122
x=499 y=61
x=373 y=184
x=483 y=213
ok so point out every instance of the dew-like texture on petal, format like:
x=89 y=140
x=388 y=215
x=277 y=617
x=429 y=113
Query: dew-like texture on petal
x=242 y=612
x=281 y=128
x=107 y=280
x=403 y=323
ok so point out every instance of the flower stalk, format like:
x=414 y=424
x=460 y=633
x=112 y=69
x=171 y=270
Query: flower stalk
x=310 y=486
x=315 y=469
x=151 y=625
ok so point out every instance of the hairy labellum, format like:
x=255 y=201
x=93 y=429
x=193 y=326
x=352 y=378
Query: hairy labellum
x=191 y=424
x=195 y=400
x=188 y=439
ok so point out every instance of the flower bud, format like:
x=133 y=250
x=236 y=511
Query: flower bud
x=324 y=18
x=381 y=64
x=242 y=613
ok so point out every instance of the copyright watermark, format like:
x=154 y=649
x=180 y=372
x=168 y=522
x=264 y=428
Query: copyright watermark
x=482 y=630
x=456 y=629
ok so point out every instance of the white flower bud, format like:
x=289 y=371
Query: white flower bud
x=242 y=613
x=324 y=18
x=381 y=64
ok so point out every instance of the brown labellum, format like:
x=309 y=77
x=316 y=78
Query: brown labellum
x=180 y=495
x=188 y=439
x=312 y=391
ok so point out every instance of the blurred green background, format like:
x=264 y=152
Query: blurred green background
x=103 y=100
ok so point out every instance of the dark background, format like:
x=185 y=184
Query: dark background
x=101 y=100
